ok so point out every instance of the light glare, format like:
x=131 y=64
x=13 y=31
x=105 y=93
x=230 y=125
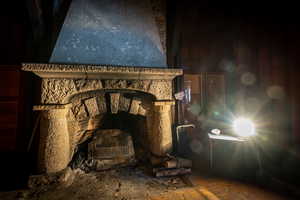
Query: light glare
x=244 y=127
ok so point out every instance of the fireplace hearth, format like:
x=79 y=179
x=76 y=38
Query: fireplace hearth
x=78 y=103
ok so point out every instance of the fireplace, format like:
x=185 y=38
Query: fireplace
x=90 y=103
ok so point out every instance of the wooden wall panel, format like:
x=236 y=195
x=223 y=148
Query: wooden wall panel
x=221 y=39
x=9 y=83
x=9 y=107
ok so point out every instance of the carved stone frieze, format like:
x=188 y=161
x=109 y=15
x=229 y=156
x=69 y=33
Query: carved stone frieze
x=86 y=85
x=60 y=91
x=54 y=91
x=141 y=85
x=115 y=84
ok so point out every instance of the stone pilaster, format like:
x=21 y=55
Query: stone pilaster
x=54 y=147
x=161 y=134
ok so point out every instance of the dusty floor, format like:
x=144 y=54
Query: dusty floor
x=227 y=189
x=134 y=184
x=121 y=184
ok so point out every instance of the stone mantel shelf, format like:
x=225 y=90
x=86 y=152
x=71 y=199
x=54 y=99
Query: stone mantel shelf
x=100 y=71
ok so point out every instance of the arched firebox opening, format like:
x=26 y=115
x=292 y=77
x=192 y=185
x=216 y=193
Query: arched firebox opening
x=109 y=128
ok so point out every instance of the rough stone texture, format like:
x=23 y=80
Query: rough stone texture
x=158 y=127
x=161 y=135
x=141 y=85
x=102 y=104
x=104 y=71
x=135 y=105
x=73 y=133
x=61 y=83
x=95 y=122
x=56 y=90
x=79 y=111
x=92 y=106
x=114 y=102
x=142 y=111
x=54 y=147
x=62 y=91
x=115 y=84
x=51 y=107
x=62 y=179
x=162 y=89
x=124 y=104
x=86 y=85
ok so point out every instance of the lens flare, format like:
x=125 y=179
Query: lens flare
x=244 y=127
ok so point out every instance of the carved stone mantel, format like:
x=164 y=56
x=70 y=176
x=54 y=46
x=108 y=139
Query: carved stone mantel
x=60 y=83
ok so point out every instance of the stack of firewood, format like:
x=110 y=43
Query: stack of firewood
x=170 y=166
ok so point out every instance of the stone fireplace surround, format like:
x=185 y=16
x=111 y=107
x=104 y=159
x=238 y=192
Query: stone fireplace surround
x=71 y=101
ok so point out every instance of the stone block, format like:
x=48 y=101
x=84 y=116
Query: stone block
x=92 y=106
x=142 y=111
x=54 y=147
x=135 y=105
x=114 y=102
x=95 y=122
x=124 y=103
x=79 y=111
x=102 y=104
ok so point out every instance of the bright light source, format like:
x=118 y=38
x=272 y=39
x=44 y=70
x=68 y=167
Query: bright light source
x=216 y=131
x=244 y=127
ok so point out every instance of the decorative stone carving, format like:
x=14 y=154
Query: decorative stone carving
x=86 y=85
x=61 y=82
x=141 y=85
x=54 y=91
x=59 y=91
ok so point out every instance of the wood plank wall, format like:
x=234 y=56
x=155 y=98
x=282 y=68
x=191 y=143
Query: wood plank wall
x=235 y=40
x=15 y=94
